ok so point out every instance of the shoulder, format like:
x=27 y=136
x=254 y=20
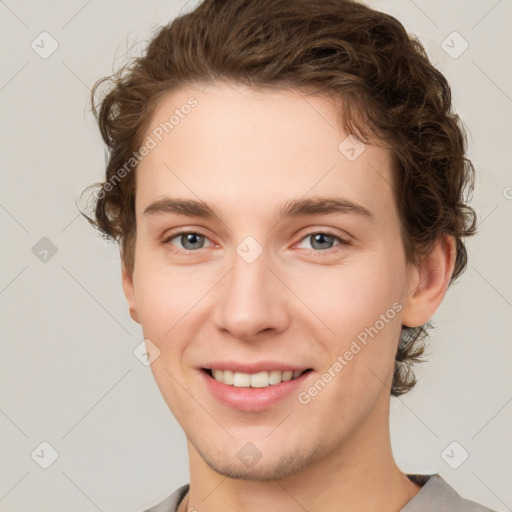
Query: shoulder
x=170 y=504
x=437 y=494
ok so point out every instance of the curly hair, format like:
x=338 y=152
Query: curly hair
x=379 y=78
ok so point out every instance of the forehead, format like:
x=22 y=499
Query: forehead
x=243 y=146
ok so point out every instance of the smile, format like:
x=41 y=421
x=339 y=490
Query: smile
x=254 y=380
x=253 y=392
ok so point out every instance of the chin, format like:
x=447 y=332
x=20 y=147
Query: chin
x=262 y=470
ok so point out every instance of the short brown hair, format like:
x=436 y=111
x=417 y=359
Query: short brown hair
x=338 y=48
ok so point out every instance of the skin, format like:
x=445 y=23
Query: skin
x=245 y=152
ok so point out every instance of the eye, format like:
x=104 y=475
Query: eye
x=190 y=241
x=187 y=240
x=323 y=241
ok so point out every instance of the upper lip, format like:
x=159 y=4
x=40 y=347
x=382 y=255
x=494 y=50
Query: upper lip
x=260 y=366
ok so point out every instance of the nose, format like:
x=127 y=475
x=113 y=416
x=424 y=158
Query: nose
x=251 y=300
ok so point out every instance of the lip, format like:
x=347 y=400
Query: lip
x=251 y=399
x=260 y=366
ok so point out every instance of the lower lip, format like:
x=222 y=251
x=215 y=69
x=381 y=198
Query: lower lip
x=252 y=399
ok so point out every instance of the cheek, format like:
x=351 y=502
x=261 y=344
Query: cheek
x=360 y=304
x=171 y=302
x=162 y=299
x=351 y=296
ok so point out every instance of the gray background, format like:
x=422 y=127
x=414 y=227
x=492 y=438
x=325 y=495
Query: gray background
x=69 y=376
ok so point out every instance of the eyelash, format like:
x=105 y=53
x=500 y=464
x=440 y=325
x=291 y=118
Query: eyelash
x=324 y=252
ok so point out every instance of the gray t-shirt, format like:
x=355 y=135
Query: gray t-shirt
x=435 y=495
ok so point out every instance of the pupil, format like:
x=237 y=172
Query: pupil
x=190 y=238
x=320 y=237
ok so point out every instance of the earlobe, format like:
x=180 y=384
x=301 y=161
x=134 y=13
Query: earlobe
x=129 y=292
x=429 y=282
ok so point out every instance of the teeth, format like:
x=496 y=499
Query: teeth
x=287 y=376
x=258 y=380
x=241 y=380
x=254 y=380
x=274 y=377
x=227 y=376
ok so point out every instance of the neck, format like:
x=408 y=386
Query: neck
x=359 y=473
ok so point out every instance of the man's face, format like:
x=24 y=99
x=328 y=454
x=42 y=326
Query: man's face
x=251 y=287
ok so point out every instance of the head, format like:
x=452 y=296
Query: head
x=329 y=180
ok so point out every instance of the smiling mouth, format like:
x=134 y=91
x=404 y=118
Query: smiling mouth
x=254 y=380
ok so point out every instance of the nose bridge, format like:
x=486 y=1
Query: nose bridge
x=249 y=300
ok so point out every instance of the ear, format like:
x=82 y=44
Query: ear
x=129 y=292
x=428 y=282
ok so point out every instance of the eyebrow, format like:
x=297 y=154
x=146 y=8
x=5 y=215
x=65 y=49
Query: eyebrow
x=292 y=208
